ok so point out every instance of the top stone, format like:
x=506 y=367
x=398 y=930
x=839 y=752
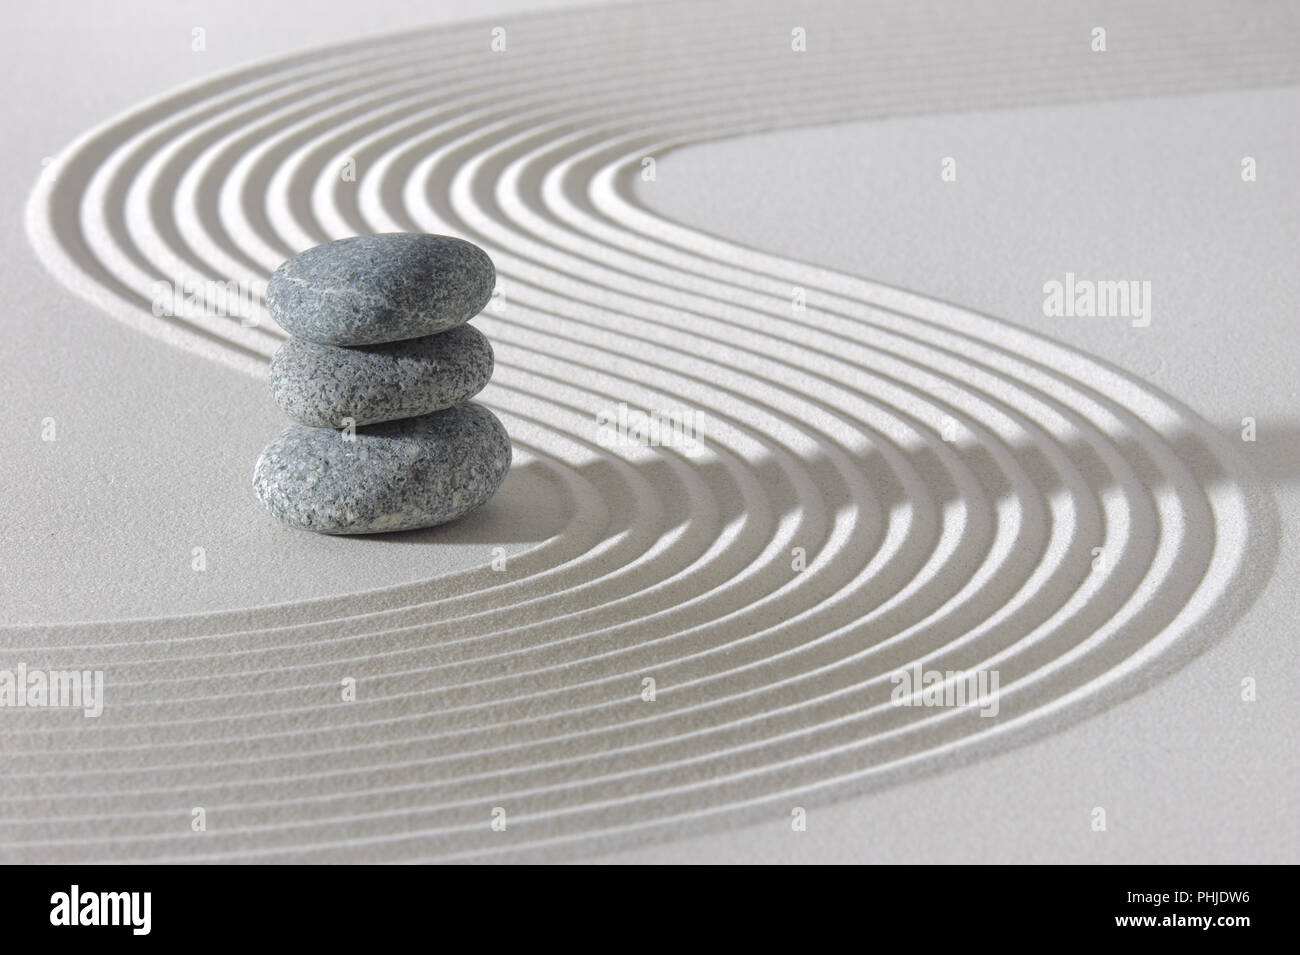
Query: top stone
x=380 y=288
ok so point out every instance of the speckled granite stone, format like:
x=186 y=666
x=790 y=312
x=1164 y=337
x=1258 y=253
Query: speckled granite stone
x=320 y=385
x=380 y=288
x=394 y=476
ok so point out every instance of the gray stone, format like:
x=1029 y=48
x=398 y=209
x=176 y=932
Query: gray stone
x=393 y=476
x=380 y=288
x=321 y=385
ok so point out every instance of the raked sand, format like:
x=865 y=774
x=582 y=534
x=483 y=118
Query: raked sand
x=882 y=480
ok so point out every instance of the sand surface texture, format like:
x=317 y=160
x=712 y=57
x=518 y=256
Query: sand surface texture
x=896 y=460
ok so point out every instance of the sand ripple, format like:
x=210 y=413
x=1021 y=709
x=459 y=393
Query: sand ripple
x=949 y=478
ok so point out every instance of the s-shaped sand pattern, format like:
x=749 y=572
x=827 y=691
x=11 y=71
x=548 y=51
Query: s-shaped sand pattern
x=948 y=476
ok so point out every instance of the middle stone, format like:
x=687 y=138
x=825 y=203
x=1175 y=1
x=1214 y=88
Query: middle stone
x=321 y=385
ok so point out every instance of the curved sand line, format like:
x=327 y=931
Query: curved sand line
x=825 y=432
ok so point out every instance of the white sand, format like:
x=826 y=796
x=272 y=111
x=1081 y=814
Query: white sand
x=478 y=688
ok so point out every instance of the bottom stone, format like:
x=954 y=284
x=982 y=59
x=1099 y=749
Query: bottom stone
x=393 y=476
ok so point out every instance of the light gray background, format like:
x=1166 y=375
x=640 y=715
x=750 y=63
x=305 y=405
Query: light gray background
x=155 y=445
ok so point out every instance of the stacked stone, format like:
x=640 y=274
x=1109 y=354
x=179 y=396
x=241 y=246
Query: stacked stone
x=380 y=350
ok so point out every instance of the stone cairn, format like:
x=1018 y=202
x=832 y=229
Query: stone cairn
x=377 y=378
